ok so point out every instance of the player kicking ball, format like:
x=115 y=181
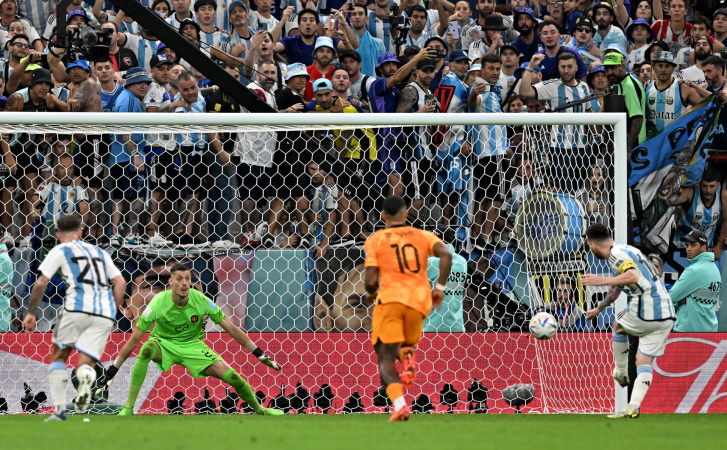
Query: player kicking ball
x=178 y=338
x=94 y=289
x=398 y=254
x=649 y=314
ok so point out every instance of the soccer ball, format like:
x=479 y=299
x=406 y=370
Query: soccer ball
x=543 y=325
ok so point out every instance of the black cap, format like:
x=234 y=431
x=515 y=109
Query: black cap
x=425 y=63
x=695 y=236
x=40 y=75
x=349 y=54
x=159 y=60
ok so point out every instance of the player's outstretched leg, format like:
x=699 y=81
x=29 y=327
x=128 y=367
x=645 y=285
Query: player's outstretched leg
x=644 y=376
x=245 y=392
x=387 y=354
x=621 y=356
x=150 y=351
x=58 y=376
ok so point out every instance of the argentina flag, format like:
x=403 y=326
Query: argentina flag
x=662 y=165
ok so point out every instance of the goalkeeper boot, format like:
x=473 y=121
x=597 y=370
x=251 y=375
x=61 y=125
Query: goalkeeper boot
x=126 y=411
x=401 y=415
x=622 y=381
x=626 y=414
x=55 y=417
x=271 y=412
x=407 y=356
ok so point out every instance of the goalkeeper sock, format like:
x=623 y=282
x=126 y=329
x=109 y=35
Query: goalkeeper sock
x=138 y=373
x=58 y=381
x=242 y=388
x=643 y=379
x=396 y=394
x=621 y=353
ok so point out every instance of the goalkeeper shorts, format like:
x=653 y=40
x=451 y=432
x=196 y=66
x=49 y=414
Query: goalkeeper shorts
x=195 y=356
x=396 y=323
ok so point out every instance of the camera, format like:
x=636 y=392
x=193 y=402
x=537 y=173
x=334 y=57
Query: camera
x=84 y=42
x=395 y=20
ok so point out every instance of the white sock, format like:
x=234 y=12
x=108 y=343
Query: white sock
x=58 y=381
x=641 y=386
x=399 y=403
x=86 y=374
x=621 y=353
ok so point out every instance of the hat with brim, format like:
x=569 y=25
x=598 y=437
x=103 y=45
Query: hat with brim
x=494 y=22
x=32 y=67
x=458 y=55
x=474 y=67
x=696 y=236
x=83 y=64
x=661 y=44
x=664 y=57
x=594 y=71
x=614 y=47
x=643 y=23
x=296 y=70
x=604 y=5
x=322 y=83
x=324 y=41
x=77 y=12
x=722 y=11
x=349 y=54
x=426 y=64
x=189 y=22
x=526 y=11
x=519 y=71
x=613 y=59
x=136 y=75
x=438 y=39
x=237 y=3
x=159 y=60
x=40 y=75
x=387 y=57
x=508 y=47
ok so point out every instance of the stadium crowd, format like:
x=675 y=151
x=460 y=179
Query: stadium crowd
x=319 y=189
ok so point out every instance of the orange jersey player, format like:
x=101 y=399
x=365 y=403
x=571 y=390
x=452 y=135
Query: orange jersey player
x=398 y=256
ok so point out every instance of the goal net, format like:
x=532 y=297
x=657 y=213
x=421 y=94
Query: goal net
x=271 y=213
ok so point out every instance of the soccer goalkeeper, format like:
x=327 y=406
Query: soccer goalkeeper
x=178 y=338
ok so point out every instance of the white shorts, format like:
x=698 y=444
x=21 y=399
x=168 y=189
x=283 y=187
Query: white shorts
x=84 y=332
x=652 y=334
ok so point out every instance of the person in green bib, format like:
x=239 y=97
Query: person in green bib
x=6 y=285
x=178 y=338
x=628 y=85
x=449 y=317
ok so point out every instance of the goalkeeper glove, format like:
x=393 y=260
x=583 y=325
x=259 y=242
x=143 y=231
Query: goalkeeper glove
x=106 y=380
x=265 y=359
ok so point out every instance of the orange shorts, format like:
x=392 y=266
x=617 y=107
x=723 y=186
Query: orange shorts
x=396 y=323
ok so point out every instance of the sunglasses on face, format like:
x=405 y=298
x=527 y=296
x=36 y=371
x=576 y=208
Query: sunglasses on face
x=21 y=45
x=584 y=29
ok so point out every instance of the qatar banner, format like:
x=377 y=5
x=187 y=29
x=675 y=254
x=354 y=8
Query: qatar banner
x=690 y=377
x=461 y=372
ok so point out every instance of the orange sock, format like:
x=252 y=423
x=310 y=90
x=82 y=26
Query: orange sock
x=394 y=391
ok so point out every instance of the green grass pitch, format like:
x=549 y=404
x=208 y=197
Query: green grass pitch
x=370 y=432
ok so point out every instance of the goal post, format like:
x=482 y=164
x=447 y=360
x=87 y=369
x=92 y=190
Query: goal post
x=514 y=207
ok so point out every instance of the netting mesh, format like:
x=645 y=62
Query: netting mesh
x=272 y=221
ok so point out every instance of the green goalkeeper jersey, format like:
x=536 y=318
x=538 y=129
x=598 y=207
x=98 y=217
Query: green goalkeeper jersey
x=179 y=324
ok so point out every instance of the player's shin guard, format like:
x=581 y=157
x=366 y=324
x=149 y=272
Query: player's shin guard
x=621 y=353
x=641 y=385
x=396 y=394
x=242 y=388
x=138 y=373
x=58 y=381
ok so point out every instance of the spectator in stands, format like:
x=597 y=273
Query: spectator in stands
x=205 y=11
x=644 y=74
x=263 y=19
x=631 y=88
x=37 y=13
x=556 y=14
x=719 y=24
x=490 y=146
x=701 y=27
x=569 y=144
x=262 y=48
x=349 y=311
x=703 y=207
x=370 y=48
x=360 y=83
x=565 y=309
x=662 y=109
x=594 y=197
x=608 y=32
x=640 y=33
x=143 y=46
x=8 y=14
x=658 y=263
x=162 y=8
x=714 y=72
x=475 y=71
x=76 y=14
x=418 y=34
x=696 y=293
x=7 y=272
x=323 y=56
x=62 y=195
x=674 y=29
x=491 y=41
x=319 y=206
x=598 y=82
x=59 y=144
x=521 y=187
x=126 y=160
x=110 y=87
x=239 y=42
x=182 y=12
x=299 y=48
x=122 y=59
x=475 y=31
x=19 y=47
x=528 y=43
x=509 y=59
x=703 y=49
x=550 y=36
